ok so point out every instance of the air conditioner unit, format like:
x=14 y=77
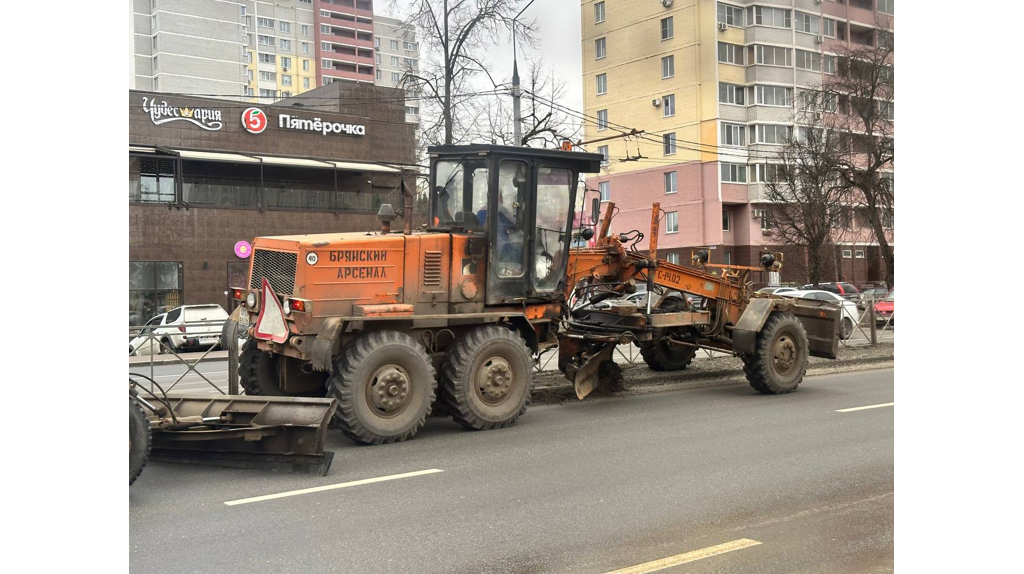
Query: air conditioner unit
x=723 y=26
x=656 y=102
x=666 y=3
x=284 y=69
x=819 y=38
x=377 y=48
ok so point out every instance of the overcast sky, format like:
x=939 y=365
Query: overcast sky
x=558 y=23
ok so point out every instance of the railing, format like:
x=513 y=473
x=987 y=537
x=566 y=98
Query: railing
x=157 y=341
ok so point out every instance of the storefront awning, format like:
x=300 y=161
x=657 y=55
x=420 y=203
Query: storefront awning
x=141 y=149
x=355 y=166
x=292 y=161
x=214 y=156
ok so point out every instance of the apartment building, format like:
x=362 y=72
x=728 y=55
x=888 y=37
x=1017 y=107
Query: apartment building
x=397 y=52
x=260 y=50
x=713 y=84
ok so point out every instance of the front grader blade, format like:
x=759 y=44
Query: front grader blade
x=277 y=433
x=586 y=379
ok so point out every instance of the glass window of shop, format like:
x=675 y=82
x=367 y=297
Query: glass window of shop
x=150 y=179
x=220 y=183
x=154 y=287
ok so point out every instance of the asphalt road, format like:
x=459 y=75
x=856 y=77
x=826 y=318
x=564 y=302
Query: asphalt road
x=584 y=487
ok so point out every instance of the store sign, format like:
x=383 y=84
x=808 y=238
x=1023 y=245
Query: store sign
x=161 y=112
x=254 y=120
x=317 y=125
x=243 y=249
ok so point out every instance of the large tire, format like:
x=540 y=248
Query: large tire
x=487 y=378
x=779 y=360
x=385 y=384
x=139 y=440
x=257 y=371
x=660 y=355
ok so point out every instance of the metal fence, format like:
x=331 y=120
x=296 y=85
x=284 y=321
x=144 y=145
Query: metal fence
x=164 y=345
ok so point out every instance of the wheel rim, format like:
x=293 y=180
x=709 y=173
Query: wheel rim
x=847 y=328
x=389 y=390
x=784 y=354
x=494 y=379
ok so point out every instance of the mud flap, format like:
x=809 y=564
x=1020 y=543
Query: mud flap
x=585 y=379
x=821 y=321
x=323 y=345
x=744 y=336
x=229 y=333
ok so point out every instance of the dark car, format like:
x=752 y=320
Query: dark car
x=871 y=295
x=847 y=291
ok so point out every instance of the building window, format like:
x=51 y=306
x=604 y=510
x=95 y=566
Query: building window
x=774 y=17
x=767 y=173
x=599 y=12
x=829 y=27
x=730 y=15
x=808 y=60
x=325 y=63
x=734 y=173
x=668 y=142
x=602 y=120
x=858 y=254
x=734 y=134
x=325 y=29
x=396 y=77
x=847 y=253
x=394 y=61
x=267 y=58
x=305 y=65
x=807 y=23
x=773 y=56
x=885 y=6
x=325 y=46
x=767 y=223
x=603 y=150
x=604 y=188
x=669 y=106
x=668 y=67
x=412 y=110
x=731 y=94
x=264 y=22
x=600 y=49
x=150 y=180
x=250 y=92
x=773 y=96
x=887 y=110
x=672 y=222
x=667 y=30
x=286 y=62
x=286 y=80
x=154 y=287
x=394 y=44
x=730 y=54
x=268 y=76
x=286 y=27
x=305 y=30
x=379 y=75
x=305 y=83
x=602 y=84
x=828 y=64
x=265 y=40
x=670 y=182
x=305 y=47
x=672 y=258
x=772 y=134
x=286 y=45
x=725 y=219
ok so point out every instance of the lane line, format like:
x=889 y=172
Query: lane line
x=692 y=556
x=878 y=406
x=332 y=486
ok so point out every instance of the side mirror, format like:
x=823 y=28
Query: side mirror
x=587 y=233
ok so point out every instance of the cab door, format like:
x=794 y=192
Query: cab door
x=509 y=220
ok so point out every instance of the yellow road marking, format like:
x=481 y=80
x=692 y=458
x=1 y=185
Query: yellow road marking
x=692 y=556
x=332 y=486
x=864 y=408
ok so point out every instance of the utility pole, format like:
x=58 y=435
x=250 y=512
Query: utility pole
x=516 y=91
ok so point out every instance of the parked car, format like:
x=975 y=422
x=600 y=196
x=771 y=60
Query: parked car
x=847 y=291
x=776 y=290
x=884 y=309
x=173 y=331
x=850 y=313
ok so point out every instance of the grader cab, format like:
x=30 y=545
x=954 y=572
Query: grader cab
x=389 y=322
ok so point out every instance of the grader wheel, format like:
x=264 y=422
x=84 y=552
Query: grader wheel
x=260 y=374
x=779 y=360
x=487 y=378
x=385 y=384
x=139 y=440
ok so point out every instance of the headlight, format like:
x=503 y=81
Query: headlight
x=250 y=300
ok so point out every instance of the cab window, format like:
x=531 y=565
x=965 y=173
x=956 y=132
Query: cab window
x=460 y=188
x=510 y=218
x=553 y=190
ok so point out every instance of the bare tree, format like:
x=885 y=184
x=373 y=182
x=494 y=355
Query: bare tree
x=862 y=91
x=544 y=123
x=805 y=184
x=455 y=33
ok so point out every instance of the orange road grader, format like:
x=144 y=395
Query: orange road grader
x=392 y=323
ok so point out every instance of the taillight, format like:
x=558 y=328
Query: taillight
x=294 y=305
x=238 y=294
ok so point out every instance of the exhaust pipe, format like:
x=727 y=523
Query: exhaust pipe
x=407 y=200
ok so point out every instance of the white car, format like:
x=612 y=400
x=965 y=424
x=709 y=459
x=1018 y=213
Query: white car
x=175 y=330
x=850 y=316
x=776 y=290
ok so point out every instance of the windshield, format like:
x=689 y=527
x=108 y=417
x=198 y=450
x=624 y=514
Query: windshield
x=460 y=192
x=553 y=190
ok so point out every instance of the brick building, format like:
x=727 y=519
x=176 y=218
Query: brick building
x=206 y=175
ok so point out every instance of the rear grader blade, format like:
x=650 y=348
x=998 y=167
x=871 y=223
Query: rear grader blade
x=277 y=433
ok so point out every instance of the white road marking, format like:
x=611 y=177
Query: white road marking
x=865 y=408
x=692 y=556
x=332 y=486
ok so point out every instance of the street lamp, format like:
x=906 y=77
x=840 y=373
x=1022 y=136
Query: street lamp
x=516 y=92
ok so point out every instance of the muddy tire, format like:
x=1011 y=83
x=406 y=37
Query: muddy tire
x=779 y=360
x=663 y=356
x=487 y=378
x=385 y=384
x=140 y=440
x=846 y=328
x=257 y=371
